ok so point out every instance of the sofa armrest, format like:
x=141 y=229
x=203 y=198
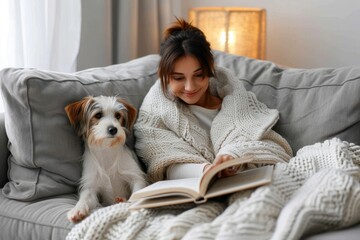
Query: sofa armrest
x=4 y=152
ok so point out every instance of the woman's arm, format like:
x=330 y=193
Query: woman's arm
x=244 y=124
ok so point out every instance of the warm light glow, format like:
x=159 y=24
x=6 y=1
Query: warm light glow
x=235 y=30
x=223 y=39
x=229 y=39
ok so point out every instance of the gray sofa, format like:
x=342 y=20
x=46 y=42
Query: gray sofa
x=40 y=153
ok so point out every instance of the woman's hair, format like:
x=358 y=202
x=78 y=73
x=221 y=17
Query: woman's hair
x=182 y=39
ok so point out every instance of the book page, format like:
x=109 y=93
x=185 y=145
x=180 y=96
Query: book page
x=182 y=187
x=243 y=180
x=170 y=192
x=209 y=175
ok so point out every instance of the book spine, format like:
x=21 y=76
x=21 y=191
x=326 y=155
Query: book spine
x=200 y=200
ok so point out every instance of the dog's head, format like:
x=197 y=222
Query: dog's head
x=102 y=121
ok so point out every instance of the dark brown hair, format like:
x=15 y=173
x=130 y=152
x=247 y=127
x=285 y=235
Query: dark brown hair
x=182 y=39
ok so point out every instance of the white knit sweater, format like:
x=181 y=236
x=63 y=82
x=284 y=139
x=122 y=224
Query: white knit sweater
x=167 y=132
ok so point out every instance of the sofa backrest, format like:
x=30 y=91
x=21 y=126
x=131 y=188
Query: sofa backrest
x=314 y=104
x=4 y=152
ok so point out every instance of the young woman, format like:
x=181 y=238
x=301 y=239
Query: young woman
x=198 y=115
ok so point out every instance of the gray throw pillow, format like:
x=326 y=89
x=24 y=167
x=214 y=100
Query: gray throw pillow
x=314 y=104
x=45 y=150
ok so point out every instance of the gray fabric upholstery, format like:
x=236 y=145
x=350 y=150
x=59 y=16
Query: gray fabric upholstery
x=352 y=233
x=42 y=219
x=314 y=104
x=4 y=153
x=45 y=151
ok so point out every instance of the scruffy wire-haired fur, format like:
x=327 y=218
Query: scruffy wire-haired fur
x=110 y=169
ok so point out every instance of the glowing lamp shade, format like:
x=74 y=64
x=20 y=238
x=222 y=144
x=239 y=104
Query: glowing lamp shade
x=240 y=31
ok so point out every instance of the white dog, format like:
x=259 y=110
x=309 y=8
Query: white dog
x=110 y=170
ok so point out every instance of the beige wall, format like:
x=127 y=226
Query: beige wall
x=306 y=33
x=300 y=33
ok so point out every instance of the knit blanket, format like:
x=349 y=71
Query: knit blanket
x=318 y=190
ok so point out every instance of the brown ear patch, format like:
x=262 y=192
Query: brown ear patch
x=132 y=112
x=76 y=112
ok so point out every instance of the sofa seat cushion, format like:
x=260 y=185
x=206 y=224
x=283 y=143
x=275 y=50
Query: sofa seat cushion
x=45 y=150
x=351 y=233
x=42 y=219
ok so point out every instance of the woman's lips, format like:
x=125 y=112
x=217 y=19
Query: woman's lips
x=190 y=94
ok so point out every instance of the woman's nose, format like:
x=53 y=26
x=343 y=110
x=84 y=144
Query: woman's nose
x=189 y=85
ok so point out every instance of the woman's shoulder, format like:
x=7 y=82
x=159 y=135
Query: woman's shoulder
x=155 y=98
x=225 y=82
x=154 y=92
x=223 y=74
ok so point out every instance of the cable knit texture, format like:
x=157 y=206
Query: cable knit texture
x=318 y=190
x=167 y=131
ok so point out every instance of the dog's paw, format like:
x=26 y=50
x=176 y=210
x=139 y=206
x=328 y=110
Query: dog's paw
x=120 y=199
x=78 y=213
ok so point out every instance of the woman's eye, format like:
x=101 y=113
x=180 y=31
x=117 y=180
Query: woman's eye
x=199 y=75
x=98 y=115
x=177 y=78
x=117 y=115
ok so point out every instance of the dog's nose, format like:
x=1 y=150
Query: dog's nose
x=112 y=130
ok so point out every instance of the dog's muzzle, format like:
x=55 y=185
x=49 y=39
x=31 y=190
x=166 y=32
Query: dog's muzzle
x=112 y=130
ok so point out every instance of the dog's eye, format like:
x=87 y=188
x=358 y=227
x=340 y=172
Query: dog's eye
x=117 y=115
x=98 y=115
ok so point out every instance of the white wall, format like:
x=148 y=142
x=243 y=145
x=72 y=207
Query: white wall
x=306 y=33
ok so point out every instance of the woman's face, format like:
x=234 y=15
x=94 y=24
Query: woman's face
x=187 y=81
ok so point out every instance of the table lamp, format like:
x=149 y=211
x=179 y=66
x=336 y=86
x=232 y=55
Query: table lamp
x=235 y=30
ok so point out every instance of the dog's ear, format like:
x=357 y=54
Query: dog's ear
x=76 y=112
x=131 y=112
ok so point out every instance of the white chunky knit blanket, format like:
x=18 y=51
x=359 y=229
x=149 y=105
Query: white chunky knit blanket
x=317 y=190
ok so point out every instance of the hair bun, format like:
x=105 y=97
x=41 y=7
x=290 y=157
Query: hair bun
x=178 y=26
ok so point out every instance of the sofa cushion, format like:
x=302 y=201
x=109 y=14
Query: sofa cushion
x=45 y=151
x=41 y=219
x=314 y=104
x=4 y=154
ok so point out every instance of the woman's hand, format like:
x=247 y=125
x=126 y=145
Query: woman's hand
x=219 y=160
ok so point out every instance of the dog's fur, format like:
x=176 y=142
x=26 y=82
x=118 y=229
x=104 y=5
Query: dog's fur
x=110 y=170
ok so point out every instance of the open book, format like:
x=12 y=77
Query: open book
x=198 y=190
